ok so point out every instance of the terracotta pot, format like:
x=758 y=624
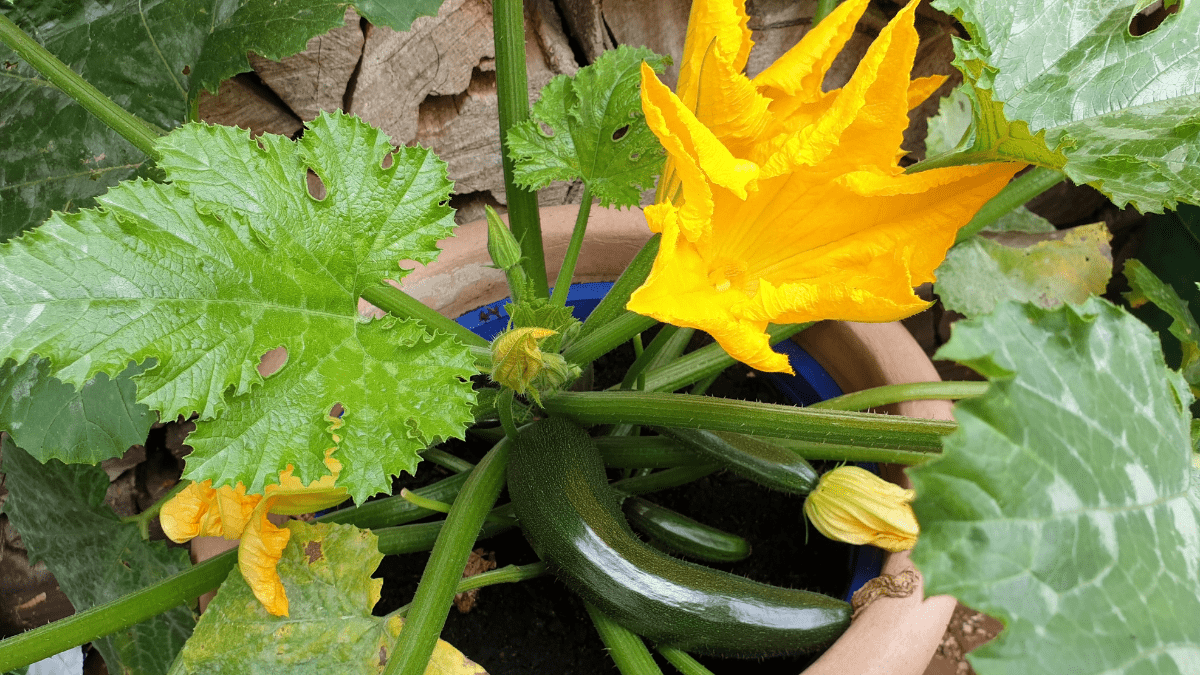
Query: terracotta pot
x=892 y=636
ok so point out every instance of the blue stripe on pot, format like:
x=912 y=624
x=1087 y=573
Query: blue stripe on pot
x=810 y=384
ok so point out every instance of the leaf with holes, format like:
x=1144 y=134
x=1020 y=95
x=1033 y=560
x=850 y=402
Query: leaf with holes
x=1063 y=504
x=591 y=127
x=1046 y=269
x=60 y=512
x=326 y=571
x=234 y=258
x=153 y=59
x=1117 y=111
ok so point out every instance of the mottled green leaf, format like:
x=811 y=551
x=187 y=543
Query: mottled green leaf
x=51 y=419
x=60 y=512
x=235 y=258
x=1123 y=111
x=1146 y=287
x=326 y=572
x=152 y=57
x=950 y=124
x=1021 y=219
x=1046 y=269
x=590 y=126
x=1064 y=505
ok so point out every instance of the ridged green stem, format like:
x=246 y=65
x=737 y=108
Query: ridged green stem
x=512 y=94
x=707 y=361
x=895 y=393
x=446 y=563
x=90 y=624
x=683 y=661
x=137 y=131
x=645 y=357
x=760 y=419
x=824 y=7
x=505 y=575
x=626 y=649
x=606 y=338
x=567 y=272
x=395 y=301
x=1020 y=190
x=613 y=303
x=853 y=453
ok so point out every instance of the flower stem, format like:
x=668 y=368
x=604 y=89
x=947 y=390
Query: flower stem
x=567 y=272
x=1020 y=190
x=895 y=393
x=761 y=419
x=410 y=656
x=137 y=131
x=613 y=303
x=504 y=575
x=683 y=661
x=707 y=361
x=512 y=93
x=504 y=406
x=395 y=301
x=644 y=357
x=143 y=519
x=824 y=7
x=626 y=649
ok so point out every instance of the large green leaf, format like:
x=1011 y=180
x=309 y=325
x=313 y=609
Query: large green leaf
x=52 y=419
x=235 y=258
x=152 y=57
x=590 y=126
x=1063 y=503
x=326 y=572
x=1045 y=269
x=1121 y=110
x=59 y=511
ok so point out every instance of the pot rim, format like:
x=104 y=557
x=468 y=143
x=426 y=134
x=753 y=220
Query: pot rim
x=890 y=636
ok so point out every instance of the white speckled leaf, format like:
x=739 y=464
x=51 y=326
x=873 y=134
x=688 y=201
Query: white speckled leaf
x=1124 y=111
x=1064 y=504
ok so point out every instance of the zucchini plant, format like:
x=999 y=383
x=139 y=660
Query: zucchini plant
x=1064 y=499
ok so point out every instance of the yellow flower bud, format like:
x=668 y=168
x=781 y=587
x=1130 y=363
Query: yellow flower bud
x=853 y=505
x=519 y=363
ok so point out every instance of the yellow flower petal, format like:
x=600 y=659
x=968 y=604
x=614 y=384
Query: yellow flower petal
x=922 y=88
x=853 y=505
x=292 y=497
x=830 y=227
x=696 y=158
x=201 y=511
x=258 y=555
x=715 y=28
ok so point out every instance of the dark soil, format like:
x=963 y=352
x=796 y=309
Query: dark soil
x=540 y=626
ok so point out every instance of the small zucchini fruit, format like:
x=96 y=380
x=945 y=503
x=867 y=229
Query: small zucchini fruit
x=764 y=463
x=573 y=520
x=682 y=534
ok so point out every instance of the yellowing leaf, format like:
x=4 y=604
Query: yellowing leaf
x=326 y=570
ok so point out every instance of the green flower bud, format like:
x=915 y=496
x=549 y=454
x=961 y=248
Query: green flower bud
x=502 y=245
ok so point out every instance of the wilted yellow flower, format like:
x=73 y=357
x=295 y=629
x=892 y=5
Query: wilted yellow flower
x=853 y=505
x=781 y=203
x=199 y=510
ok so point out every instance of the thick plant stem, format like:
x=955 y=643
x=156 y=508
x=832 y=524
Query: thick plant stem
x=895 y=393
x=563 y=283
x=759 y=419
x=446 y=563
x=1016 y=193
x=512 y=93
x=137 y=131
x=683 y=661
x=395 y=301
x=39 y=643
x=626 y=649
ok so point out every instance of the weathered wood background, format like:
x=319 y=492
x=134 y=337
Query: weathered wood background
x=435 y=84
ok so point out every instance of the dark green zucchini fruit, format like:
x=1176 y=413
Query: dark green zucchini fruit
x=764 y=463
x=682 y=534
x=573 y=520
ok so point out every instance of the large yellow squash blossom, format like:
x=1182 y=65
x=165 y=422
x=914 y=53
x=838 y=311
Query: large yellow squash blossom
x=199 y=510
x=781 y=203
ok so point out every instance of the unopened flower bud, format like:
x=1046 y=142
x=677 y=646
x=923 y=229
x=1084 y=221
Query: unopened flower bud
x=502 y=245
x=519 y=363
x=853 y=505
